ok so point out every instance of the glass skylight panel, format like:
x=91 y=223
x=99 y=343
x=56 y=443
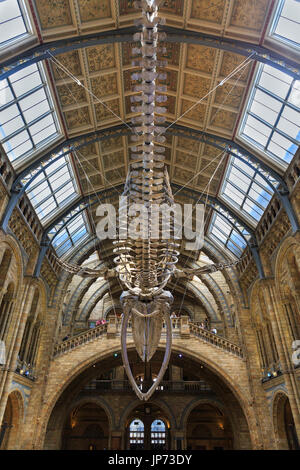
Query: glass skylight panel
x=286 y=24
x=52 y=189
x=272 y=118
x=70 y=236
x=12 y=22
x=246 y=190
x=27 y=116
x=225 y=234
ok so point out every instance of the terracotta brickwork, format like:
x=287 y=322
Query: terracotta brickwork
x=258 y=388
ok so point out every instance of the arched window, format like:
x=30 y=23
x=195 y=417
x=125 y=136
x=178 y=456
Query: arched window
x=30 y=340
x=6 y=308
x=158 y=435
x=4 y=266
x=136 y=434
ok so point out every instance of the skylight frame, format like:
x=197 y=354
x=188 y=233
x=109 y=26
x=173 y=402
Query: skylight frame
x=229 y=242
x=274 y=25
x=285 y=104
x=51 y=195
x=14 y=104
x=24 y=15
x=253 y=175
x=66 y=241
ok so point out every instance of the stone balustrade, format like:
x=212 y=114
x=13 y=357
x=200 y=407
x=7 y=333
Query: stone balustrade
x=102 y=386
x=78 y=340
x=182 y=327
x=216 y=340
x=293 y=172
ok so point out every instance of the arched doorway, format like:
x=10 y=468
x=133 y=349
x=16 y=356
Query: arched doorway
x=148 y=429
x=186 y=383
x=208 y=428
x=86 y=428
x=285 y=429
x=9 y=434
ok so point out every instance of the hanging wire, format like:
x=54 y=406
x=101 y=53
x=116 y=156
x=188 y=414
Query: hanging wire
x=98 y=199
x=240 y=67
x=76 y=80
x=186 y=261
x=208 y=185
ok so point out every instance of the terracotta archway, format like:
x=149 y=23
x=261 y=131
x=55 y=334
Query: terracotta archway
x=12 y=421
x=86 y=427
x=92 y=363
x=284 y=426
x=209 y=427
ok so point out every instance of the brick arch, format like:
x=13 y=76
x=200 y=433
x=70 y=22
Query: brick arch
x=209 y=248
x=78 y=294
x=279 y=400
x=113 y=308
x=287 y=282
x=183 y=310
x=58 y=419
x=112 y=287
x=65 y=278
x=204 y=301
x=230 y=274
x=156 y=401
x=288 y=250
x=233 y=419
x=93 y=300
x=96 y=297
x=216 y=292
x=109 y=347
x=15 y=269
x=14 y=416
x=4 y=265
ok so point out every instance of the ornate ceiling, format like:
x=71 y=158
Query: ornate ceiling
x=192 y=71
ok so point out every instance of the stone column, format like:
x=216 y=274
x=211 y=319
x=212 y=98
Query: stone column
x=119 y=378
x=280 y=331
x=28 y=342
x=184 y=327
x=115 y=441
x=178 y=441
x=8 y=307
x=259 y=421
x=34 y=434
x=112 y=327
x=177 y=381
x=17 y=329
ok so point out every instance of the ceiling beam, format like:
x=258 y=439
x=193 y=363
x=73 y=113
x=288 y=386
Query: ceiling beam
x=46 y=51
x=27 y=176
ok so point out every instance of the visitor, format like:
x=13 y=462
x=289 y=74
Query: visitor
x=214 y=331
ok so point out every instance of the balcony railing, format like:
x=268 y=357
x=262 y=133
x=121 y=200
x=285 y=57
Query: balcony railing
x=25 y=369
x=102 y=386
x=216 y=340
x=80 y=339
x=193 y=329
